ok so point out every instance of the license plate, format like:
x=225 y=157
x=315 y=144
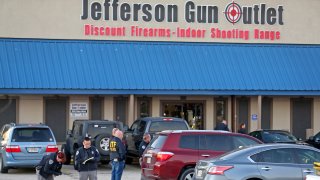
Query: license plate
x=148 y=160
x=33 y=150
x=199 y=173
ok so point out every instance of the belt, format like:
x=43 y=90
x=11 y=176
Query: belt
x=117 y=159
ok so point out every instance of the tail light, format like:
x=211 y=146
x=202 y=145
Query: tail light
x=163 y=156
x=218 y=170
x=13 y=149
x=52 y=148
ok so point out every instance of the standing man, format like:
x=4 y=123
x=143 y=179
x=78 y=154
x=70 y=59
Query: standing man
x=50 y=166
x=143 y=145
x=222 y=126
x=86 y=161
x=117 y=155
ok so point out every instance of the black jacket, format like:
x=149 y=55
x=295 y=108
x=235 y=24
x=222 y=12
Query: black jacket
x=242 y=131
x=49 y=166
x=117 y=149
x=221 y=126
x=142 y=147
x=82 y=155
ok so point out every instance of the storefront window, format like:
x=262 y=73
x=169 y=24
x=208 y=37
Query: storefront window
x=221 y=109
x=144 y=107
x=191 y=112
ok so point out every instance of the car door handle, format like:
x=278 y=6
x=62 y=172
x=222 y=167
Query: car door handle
x=266 y=168
x=205 y=155
x=307 y=171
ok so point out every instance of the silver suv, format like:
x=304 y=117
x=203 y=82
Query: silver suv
x=23 y=145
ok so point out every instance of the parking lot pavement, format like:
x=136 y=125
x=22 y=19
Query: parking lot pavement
x=131 y=172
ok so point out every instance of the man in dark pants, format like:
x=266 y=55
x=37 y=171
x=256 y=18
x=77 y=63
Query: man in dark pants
x=50 y=166
x=117 y=155
x=143 y=145
x=86 y=161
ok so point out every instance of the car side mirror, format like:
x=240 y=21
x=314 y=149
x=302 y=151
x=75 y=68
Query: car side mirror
x=316 y=139
x=299 y=139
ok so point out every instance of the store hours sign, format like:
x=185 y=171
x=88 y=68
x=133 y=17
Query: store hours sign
x=79 y=110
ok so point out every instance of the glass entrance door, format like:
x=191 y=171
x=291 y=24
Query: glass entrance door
x=192 y=112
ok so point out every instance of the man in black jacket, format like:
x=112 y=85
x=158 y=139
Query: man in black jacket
x=86 y=161
x=222 y=126
x=50 y=166
x=117 y=155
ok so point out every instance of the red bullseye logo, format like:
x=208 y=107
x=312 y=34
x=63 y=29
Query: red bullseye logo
x=233 y=12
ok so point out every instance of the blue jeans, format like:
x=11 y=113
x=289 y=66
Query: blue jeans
x=117 y=169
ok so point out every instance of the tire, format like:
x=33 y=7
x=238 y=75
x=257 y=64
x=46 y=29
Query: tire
x=74 y=160
x=187 y=174
x=2 y=168
x=67 y=153
x=102 y=143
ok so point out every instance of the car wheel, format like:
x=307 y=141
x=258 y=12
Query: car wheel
x=67 y=153
x=74 y=160
x=2 y=168
x=102 y=144
x=187 y=174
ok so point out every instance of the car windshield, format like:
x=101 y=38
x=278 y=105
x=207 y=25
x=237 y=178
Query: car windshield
x=158 y=126
x=32 y=135
x=278 y=136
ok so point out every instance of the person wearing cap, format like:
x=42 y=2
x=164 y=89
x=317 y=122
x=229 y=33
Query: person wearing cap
x=117 y=155
x=50 y=166
x=86 y=160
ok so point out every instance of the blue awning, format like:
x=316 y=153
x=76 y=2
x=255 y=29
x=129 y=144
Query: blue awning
x=113 y=67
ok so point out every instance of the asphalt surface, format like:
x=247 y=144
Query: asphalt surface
x=131 y=172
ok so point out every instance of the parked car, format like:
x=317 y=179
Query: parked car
x=174 y=154
x=133 y=136
x=100 y=132
x=314 y=140
x=260 y=162
x=23 y=145
x=276 y=136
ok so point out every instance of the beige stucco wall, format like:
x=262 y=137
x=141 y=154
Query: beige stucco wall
x=281 y=113
x=108 y=108
x=253 y=124
x=210 y=117
x=316 y=115
x=30 y=109
x=61 y=19
x=155 y=106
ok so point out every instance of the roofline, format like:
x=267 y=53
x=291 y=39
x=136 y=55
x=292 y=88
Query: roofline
x=26 y=91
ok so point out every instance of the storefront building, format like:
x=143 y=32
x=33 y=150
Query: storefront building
x=204 y=61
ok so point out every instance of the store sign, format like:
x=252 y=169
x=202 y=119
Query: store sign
x=79 y=110
x=230 y=21
x=212 y=15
